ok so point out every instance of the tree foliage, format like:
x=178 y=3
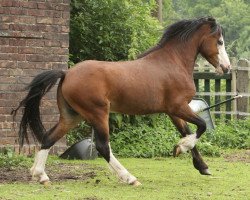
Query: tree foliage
x=233 y=15
x=111 y=29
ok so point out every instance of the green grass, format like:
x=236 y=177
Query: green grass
x=162 y=178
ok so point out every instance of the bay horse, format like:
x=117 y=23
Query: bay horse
x=159 y=81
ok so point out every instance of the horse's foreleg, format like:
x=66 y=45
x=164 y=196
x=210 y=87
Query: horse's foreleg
x=121 y=171
x=101 y=130
x=198 y=162
x=188 y=142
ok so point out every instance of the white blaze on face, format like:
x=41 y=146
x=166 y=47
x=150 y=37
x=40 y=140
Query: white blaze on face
x=223 y=57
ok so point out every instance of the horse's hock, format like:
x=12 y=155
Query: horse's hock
x=34 y=36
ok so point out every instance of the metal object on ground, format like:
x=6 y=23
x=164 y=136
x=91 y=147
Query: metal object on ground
x=84 y=150
x=217 y=104
x=200 y=106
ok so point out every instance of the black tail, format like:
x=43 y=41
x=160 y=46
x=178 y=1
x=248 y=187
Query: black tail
x=40 y=85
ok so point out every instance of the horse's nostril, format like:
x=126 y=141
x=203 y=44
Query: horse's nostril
x=225 y=69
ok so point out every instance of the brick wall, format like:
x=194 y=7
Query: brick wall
x=33 y=38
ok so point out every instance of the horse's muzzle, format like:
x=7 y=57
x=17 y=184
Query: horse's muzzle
x=226 y=70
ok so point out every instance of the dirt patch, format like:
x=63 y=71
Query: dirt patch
x=56 y=172
x=91 y=198
x=242 y=156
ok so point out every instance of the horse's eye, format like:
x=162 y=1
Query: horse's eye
x=220 y=42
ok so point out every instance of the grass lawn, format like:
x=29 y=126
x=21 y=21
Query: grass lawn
x=161 y=178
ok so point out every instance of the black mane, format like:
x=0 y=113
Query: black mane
x=183 y=30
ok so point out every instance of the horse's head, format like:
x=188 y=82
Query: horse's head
x=212 y=47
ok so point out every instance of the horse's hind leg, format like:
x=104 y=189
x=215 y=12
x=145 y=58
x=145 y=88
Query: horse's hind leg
x=99 y=121
x=51 y=137
x=68 y=119
x=198 y=162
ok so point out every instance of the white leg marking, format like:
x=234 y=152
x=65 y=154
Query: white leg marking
x=223 y=57
x=187 y=142
x=34 y=165
x=38 y=167
x=121 y=171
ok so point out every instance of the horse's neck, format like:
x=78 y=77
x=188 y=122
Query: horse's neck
x=183 y=54
x=189 y=50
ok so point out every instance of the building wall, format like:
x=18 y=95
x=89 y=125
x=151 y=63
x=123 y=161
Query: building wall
x=34 y=37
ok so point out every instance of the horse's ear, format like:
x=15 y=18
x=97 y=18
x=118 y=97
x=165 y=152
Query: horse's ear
x=213 y=24
x=211 y=19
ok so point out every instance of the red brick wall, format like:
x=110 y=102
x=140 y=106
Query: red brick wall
x=33 y=38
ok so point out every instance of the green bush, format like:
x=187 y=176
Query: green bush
x=111 y=29
x=208 y=149
x=144 y=139
x=10 y=160
x=230 y=134
x=155 y=136
x=82 y=131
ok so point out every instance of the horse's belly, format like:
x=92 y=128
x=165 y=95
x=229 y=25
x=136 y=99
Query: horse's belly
x=137 y=106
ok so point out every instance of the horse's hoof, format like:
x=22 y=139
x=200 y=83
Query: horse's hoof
x=177 y=151
x=46 y=183
x=136 y=183
x=205 y=172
